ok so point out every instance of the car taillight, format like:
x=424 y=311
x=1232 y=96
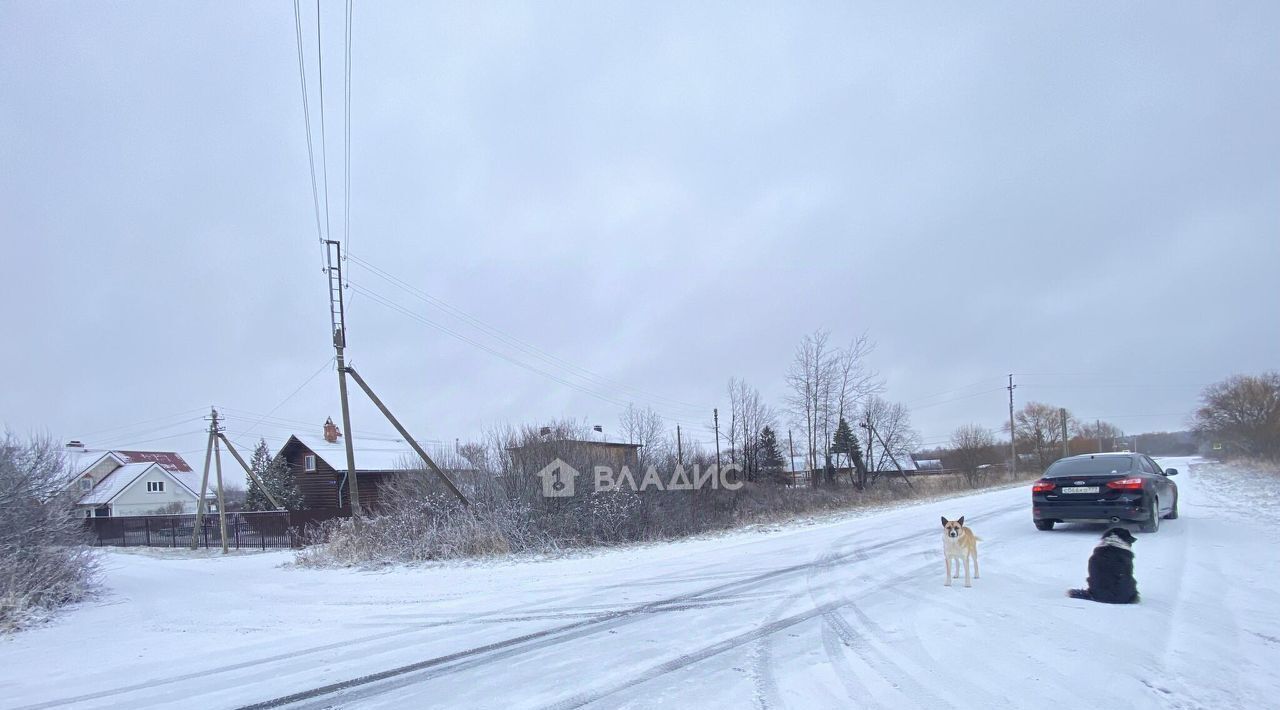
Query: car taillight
x=1042 y=487
x=1126 y=484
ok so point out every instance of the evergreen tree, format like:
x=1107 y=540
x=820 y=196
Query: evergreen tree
x=275 y=475
x=770 y=456
x=844 y=442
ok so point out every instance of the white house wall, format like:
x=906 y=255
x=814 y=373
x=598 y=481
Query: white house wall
x=135 y=500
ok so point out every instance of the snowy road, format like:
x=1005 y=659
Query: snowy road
x=840 y=614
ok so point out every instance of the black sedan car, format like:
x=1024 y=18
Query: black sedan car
x=1105 y=488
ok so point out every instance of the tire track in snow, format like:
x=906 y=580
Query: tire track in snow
x=445 y=663
x=833 y=645
x=761 y=669
x=685 y=660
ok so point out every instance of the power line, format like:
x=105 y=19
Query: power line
x=131 y=425
x=949 y=391
x=324 y=151
x=292 y=394
x=957 y=399
x=346 y=122
x=306 y=115
x=569 y=368
x=496 y=353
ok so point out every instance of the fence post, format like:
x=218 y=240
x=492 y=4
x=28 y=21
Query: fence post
x=173 y=532
x=204 y=528
x=237 y=533
x=146 y=524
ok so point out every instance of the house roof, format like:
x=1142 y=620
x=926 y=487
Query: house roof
x=114 y=483
x=168 y=460
x=119 y=478
x=587 y=442
x=885 y=463
x=370 y=455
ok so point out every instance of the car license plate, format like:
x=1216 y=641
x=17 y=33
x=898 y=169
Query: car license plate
x=1080 y=489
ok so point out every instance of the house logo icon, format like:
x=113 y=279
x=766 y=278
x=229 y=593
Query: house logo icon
x=558 y=479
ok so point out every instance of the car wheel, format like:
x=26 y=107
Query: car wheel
x=1044 y=525
x=1173 y=514
x=1152 y=524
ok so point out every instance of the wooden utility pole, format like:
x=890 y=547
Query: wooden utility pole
x=871 y=459
x=1062 y=418
x=1013 y=435
x=338 y=326
x=679 y=447
x=791 y=454
x=715 y=416
x=222 y=507
x=204 y=481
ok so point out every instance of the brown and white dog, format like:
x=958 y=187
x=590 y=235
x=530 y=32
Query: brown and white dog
x=959 y=543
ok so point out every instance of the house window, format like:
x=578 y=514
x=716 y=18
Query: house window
x=155 y=486
x=309 y=462
x=86 y=484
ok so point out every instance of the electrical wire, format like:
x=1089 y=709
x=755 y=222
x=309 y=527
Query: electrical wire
x=306 y=115
x=496 y=353
x=566 y=367
x=294 y=393
x=324 y=151
x=346 y=141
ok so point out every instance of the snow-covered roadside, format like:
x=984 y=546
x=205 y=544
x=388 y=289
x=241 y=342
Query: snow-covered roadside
x=847 y=611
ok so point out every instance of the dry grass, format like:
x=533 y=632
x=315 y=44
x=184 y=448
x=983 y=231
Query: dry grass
x=430 y=528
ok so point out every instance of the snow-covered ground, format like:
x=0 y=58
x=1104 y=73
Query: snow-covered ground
x=847 y=613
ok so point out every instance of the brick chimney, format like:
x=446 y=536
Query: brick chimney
x=331 y=432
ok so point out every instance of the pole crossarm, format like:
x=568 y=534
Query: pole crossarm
x=444 y=478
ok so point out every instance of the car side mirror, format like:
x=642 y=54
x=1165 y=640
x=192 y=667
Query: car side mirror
x=1171 y=472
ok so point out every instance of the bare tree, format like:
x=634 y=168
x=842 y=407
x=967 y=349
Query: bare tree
x=1243 y=412
x=749 y=416
x=973 y=446
x=1039 y=428
x=894 y=438
x=1096 y=436
x=44 y=562
x=646 y=428
x=807 y=380
x=826 y=383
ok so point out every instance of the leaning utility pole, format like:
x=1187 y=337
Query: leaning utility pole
x=413 y=444
x=249 y=471
x=338 y=326
x=1013 y=437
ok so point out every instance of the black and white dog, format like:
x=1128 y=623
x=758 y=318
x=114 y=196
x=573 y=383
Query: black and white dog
x=1111 y=570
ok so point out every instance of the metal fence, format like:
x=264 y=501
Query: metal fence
x=255 y=530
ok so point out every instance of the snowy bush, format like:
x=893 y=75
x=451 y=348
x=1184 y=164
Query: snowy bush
x=44 y=559
x=417 y=520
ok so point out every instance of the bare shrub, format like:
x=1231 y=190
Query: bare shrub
x=44 y=559
x=417 y=521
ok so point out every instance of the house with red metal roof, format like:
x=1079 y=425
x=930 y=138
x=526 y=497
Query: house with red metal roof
x=122 y=483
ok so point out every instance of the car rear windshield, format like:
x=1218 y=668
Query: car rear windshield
x=1094 y=466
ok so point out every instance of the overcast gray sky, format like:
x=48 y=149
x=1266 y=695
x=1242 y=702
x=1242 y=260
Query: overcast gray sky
x=664 y=194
